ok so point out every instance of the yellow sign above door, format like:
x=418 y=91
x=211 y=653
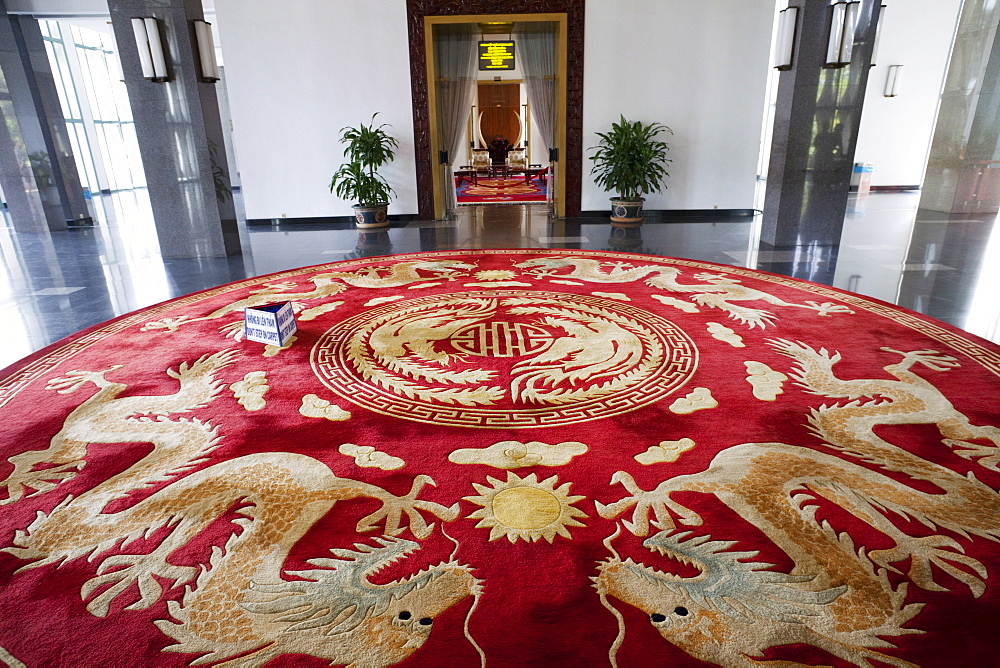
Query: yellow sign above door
x=496 y=56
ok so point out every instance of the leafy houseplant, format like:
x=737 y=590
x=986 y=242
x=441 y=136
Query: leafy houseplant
x=368 y=148
x=631 y=161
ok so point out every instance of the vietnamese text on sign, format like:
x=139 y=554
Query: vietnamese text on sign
x=496 y=56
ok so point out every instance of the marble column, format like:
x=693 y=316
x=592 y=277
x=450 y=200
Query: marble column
x=37 y=170
x=816 y=124
x=179 y=130
x=963 y=168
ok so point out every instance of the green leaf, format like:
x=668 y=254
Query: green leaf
x=368 y=148
x=629 y=160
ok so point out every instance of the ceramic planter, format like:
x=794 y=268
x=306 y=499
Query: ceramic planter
x=626 y=212
x=371 y=217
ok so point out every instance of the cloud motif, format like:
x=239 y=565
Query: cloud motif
x=315 y=311
x=368 y=457
x=723 y=333
x=382 y=300
x=620 y=296
x=767 y=383
x=250 y=391
x=514 y=454
x=687 y=307
x=698 y=400
x=271 y=351
x=666 y=451
x=314 y=407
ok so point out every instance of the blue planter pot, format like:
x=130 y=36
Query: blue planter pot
x=371 y=217
x=626 y=212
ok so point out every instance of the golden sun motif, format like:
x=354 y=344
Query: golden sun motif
x=523 y=508
x=495 y=275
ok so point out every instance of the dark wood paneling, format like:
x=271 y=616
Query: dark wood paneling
x=500 y=105
x=572 y=161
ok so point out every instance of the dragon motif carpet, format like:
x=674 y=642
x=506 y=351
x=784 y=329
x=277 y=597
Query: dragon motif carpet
x=513 y=190
x=505 y=458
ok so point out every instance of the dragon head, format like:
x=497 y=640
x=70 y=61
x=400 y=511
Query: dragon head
x=705 y=614
x=456 y=267
x=544 y=263
x=335 y=612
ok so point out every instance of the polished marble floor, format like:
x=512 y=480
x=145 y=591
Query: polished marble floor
x=54 y=284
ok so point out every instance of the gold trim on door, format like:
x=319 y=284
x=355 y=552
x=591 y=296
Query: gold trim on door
x=560 y=20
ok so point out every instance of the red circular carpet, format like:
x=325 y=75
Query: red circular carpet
x=509 y=458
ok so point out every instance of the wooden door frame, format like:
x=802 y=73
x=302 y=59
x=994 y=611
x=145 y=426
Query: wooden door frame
x=570 y=13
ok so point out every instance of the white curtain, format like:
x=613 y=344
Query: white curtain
x=536 y=51
x=455 y=68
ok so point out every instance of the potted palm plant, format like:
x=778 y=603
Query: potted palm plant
x=631 y=161
x=368 y=148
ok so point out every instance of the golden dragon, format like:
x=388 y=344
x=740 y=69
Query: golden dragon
x=717 y=292
x=325 y=284
x=241 y=604
x=838 y=596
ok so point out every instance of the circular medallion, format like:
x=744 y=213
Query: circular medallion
x=764 y=476
x=504 y=358
x=360 y=216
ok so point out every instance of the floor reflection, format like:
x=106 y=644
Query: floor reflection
x=54 y=284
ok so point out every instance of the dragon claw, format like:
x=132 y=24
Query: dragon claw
x=826 y=308
x=656 y=502
x=138 y=569
x=40 y=481
x=987 y=456
x=169 y=324
x=940 y=551
x=931 y=359
x=273 y=287
x=74 y=380
x=394 y=507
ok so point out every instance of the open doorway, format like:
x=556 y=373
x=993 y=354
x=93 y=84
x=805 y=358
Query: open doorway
x=497 y=136
x=501 y=162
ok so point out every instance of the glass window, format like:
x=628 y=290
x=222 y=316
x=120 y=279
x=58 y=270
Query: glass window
x=81 y=153
x=95 y=104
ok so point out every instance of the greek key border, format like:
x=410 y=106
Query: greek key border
x=10 y=386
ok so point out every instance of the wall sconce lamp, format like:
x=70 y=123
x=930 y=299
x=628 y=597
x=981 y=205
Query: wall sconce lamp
x=785 y=45
x=150 y=47
x=843 y=24
x=206 y=52
x=878 y=33
x=892 y=81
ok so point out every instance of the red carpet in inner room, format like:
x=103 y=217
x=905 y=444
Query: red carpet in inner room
x=500 y=191
x=505 y=458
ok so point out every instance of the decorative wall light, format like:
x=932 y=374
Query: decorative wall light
x=785 y=46
x=878 y=33
x=892 y=81
x=843 y=24
x=206 y=51
x=150 y=47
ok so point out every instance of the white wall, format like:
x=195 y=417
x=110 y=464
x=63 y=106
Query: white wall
x=295 y=78
x=896 y=132
x=698 y=67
